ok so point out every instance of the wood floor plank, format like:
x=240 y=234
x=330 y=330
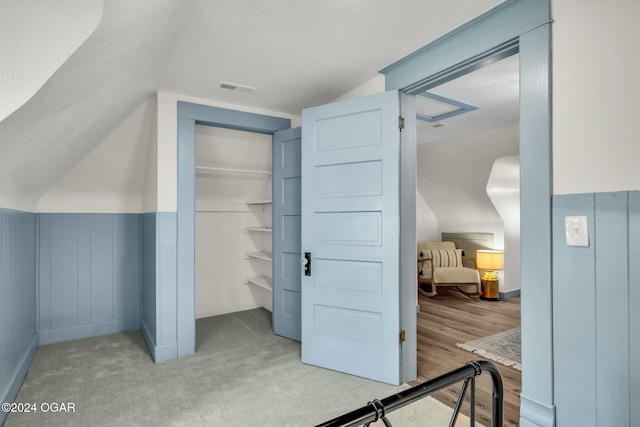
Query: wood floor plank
x=450 y=318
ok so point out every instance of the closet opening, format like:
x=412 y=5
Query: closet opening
x=233 y=231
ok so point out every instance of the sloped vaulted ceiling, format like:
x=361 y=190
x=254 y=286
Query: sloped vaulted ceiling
x=298 y=53
x=89 y=95
x=49 y=32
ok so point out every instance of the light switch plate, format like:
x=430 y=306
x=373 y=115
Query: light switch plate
x=576 y=230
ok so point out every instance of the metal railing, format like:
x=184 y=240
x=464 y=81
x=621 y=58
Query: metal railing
x=378 y=409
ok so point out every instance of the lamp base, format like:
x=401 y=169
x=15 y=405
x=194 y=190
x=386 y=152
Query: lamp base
x=489 y=290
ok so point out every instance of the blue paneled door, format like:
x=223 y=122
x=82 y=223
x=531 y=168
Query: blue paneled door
x=351 y=230
x=286 y=233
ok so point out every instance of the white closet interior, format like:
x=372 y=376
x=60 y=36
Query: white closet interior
x=233 y=229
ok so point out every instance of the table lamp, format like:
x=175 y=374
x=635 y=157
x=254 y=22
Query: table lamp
x=489 y=260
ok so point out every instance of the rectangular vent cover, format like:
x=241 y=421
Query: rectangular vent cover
x=237 y=87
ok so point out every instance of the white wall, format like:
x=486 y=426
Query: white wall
x=221 y=241
x=375 y=85
x=503 y=188
x=426 y=221
x=596 y=87
x=452 y=179
x=36 y=38
x=150 y=185
x=110 y=178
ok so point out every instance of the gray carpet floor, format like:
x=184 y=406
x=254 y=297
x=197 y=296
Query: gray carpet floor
x=242 y=374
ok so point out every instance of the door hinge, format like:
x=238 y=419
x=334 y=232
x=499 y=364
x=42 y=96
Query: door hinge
x=403 y=336
x=401 y=122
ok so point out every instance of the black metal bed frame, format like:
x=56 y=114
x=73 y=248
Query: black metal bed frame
x=377 y=409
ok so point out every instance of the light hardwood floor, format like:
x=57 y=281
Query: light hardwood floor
x=450 y=318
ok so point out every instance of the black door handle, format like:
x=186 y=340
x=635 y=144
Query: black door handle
x=306 y=261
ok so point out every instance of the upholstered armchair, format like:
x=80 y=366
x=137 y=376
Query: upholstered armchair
x=441 y=264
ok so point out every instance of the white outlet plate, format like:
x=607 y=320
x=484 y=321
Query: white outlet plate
x=576 y=230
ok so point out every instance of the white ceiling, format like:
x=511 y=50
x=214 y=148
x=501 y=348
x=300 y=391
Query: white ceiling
x=495 y=89
x=298 y=53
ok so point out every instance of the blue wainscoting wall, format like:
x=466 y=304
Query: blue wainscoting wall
x=159 y=285
x=596 y=311
x=148 y=320
x=18 y=335
x=89 y=275
x=70 y=276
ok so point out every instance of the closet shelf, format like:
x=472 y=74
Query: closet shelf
x=222 y=207
x=261 y=281
x=228 y=170
x=260 y=202
x=265 y=256
x=259 y=229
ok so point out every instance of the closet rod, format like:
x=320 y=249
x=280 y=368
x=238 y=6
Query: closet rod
x=216 y=169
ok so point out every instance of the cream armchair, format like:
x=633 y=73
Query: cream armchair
x=441 y=264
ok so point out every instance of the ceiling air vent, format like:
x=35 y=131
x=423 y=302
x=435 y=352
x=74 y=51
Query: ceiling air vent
x=438 y=125
x=237 y=87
